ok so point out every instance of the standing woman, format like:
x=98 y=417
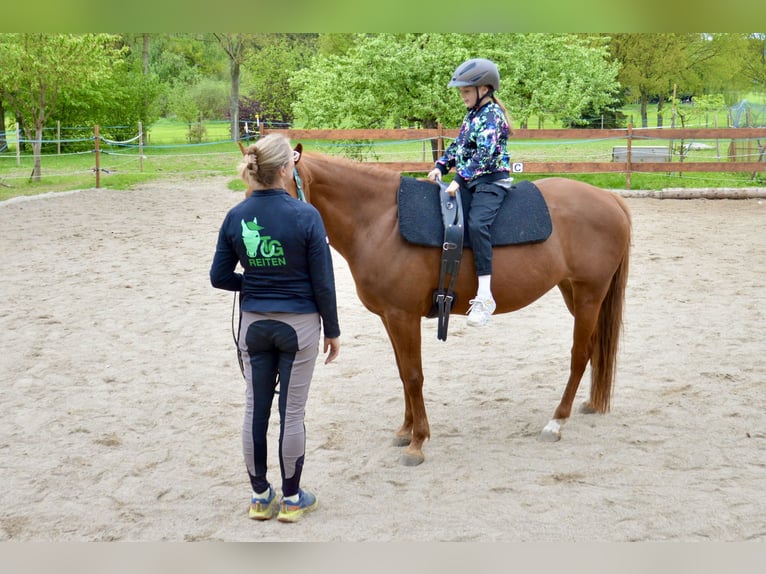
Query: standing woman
x=482 y=167
x=287 y=296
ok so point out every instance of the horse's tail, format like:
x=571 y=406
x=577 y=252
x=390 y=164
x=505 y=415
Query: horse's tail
x=608 y=330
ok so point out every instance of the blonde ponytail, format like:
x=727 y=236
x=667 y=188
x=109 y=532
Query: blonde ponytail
x=262 y=160
x=505 y=113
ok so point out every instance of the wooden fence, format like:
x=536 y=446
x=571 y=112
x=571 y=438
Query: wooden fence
x=755 y=138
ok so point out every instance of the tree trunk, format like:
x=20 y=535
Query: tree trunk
x=660 y=105
x=145 y=54
x=234 y=46
x=145 y=59
x=644 y=117
x=37 y=145
x=3 y=137
x=432 y=124
x=21 y=144
x=234 y=104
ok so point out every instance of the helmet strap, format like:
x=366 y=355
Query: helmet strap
x=490 y=94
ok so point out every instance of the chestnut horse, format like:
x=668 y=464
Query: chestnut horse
x=586 y=257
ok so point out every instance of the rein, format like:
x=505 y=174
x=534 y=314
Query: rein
x=299 y=185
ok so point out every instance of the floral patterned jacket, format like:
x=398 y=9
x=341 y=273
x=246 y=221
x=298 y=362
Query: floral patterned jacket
x=480 y=150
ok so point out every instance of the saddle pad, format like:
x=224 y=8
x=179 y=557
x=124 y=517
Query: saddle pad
x=523 y=216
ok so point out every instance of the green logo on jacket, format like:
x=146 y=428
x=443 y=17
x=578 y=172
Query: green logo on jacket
x=262 y=250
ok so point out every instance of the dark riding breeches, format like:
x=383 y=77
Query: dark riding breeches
x=277 y=349
x=486 y=199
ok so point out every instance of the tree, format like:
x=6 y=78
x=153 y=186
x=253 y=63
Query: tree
x=646 y=66
x=205 y=100
x=703 y=105
x=180 y=60
x=381 y=80
x=267 y=72
x=716 y=66
x=653 y=64
x=335 y=43
x=185 y=108
x=235 y=45
x=38 y=68
x=754 y=61
x=401 y=79
x=117 y=103
x=3 y=136
x=559 y=76
x=149 y=85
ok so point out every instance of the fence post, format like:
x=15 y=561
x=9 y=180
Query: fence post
x=440 y=140
x=98 y=157
x=627 y=157
x=18 y=145
x=717 y=141
x=140 y=147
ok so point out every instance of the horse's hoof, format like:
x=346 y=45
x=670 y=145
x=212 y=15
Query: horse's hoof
x=551 y=432
x=409 y=459
x=586 y=408
x=401 y=440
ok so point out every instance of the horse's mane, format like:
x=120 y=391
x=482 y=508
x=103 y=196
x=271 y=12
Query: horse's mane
x=345 y=163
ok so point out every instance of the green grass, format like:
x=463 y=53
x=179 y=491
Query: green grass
x=120 y=167
x=167 y=131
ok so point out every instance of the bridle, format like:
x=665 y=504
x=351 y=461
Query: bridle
x=297 y=152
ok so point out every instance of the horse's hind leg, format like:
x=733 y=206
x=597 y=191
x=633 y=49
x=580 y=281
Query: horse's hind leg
x=567 y=292
x=586 y=309
x=404 y=333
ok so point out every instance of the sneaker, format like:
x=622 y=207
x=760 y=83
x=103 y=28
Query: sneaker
x=292 y=511
x=480 y=311
x=264 y=508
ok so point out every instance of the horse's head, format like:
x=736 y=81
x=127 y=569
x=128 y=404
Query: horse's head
x=292 y=187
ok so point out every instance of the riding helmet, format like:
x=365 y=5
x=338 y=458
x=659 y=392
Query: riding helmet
x=476 y=72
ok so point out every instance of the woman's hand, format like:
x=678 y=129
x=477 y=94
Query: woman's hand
x=334 y=346
x=435 y=174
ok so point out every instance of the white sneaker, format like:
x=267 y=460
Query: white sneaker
x=480 y=311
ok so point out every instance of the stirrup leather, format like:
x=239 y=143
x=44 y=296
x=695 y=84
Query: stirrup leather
x=452 y=250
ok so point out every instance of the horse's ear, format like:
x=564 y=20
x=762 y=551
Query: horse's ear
x=241 y=147
x=297 y=152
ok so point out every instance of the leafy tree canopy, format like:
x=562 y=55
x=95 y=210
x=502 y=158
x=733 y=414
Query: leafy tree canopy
x=401 y=79
x=38 y=69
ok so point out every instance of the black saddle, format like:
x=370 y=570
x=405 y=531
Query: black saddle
x=523 y=217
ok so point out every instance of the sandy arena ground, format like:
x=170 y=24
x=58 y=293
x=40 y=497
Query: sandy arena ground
x=122 y=399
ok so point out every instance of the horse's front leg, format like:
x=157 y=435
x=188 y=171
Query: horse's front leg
x=404 y=333
x=403 y=436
